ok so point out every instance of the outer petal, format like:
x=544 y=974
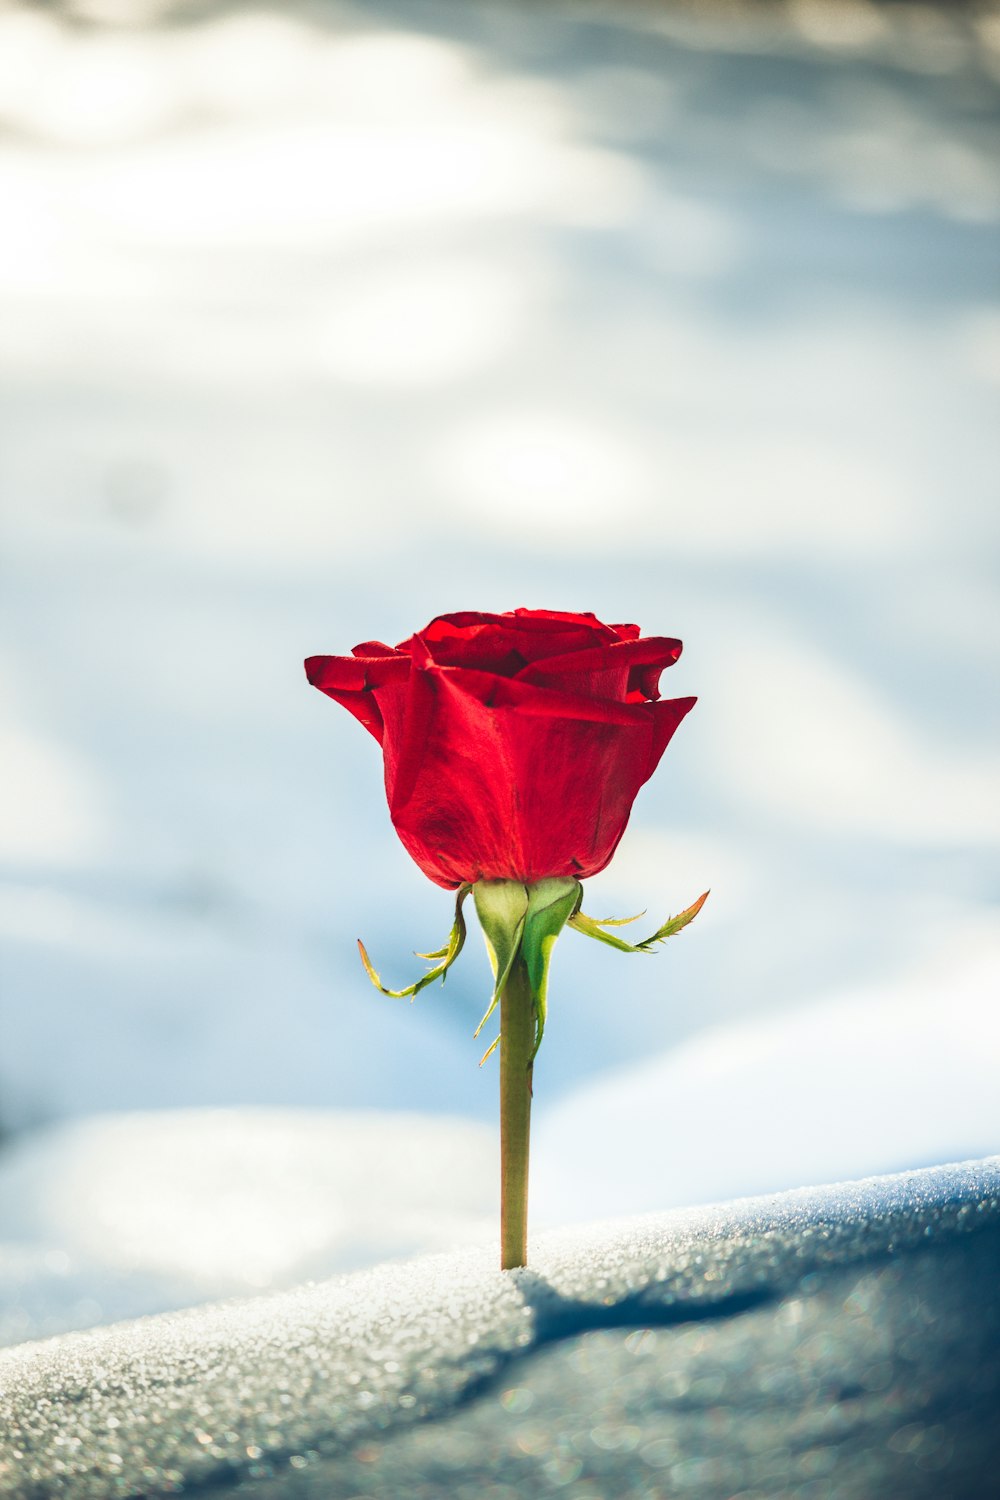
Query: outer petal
x=352 y=680
x=613 y=670
x=496 y=779
x=373 y=648
x=537 y=621
x=667 y=715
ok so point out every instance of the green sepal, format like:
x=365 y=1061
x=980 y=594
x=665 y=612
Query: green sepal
x=490 y=1049
x=447 y=954
x=592 y=928
x=551 y=903
x=523 y=920
x=501 y=906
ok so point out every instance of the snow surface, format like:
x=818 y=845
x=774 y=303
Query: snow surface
x=323 y=1375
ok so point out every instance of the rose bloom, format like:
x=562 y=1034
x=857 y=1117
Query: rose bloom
x=514 y=744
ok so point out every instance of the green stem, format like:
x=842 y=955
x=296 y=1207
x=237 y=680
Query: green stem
x=517 y=1039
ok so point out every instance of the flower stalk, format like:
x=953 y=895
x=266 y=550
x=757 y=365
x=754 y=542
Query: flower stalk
x=521 y=924
x=517 y=1046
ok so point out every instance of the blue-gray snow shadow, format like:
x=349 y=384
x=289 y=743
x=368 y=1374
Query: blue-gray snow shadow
x=896 y=1333
x=906 y=1422
x=556 y=1316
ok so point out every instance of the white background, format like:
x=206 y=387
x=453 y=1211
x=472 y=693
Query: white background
x=321 y=319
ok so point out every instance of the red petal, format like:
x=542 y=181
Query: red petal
x=351 y=681
x=628 y=670
x=514 y=745
x=667 y=715
x=373 y=648
x=506 y=643
x=495 y=779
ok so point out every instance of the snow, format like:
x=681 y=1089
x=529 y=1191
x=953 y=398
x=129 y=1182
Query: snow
x=115 y=1216
x=327 y=1376
x=860 y=1083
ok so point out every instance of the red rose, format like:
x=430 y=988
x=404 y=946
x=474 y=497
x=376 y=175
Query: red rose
x=514 y=744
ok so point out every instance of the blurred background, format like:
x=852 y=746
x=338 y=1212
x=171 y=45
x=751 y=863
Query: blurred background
x=320 y=319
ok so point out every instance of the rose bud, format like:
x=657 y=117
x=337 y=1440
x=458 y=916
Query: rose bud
x=514 y=744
